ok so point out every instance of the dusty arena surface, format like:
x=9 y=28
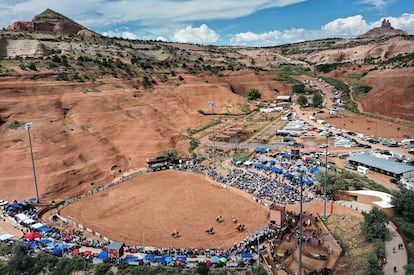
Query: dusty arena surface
x=146 y=210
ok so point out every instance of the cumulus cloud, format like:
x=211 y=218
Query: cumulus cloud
x=121 y=34
x=342 y=27
x=349 y=26
x=200 y=35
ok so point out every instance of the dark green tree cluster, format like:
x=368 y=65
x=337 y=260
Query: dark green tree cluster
x=302 y=100
x=22 y=262
x=254 y=94
x=317 y=99
x=374 y=225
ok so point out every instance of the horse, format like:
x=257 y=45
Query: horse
x=219 y=219
x=210 y=230
x=175 y=234
x=240 y=227
x=233 y=219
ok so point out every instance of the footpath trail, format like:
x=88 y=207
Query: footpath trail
x=395 y=259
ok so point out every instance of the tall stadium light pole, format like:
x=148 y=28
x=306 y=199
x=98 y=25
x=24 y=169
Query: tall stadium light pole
x=300 y=172
x=213 y=105
x=29 y=126
x=325 y=179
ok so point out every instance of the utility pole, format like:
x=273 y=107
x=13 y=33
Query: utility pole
x=325 y=179
x=29 y=126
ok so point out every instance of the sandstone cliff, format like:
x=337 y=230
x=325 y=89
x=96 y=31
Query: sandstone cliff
x=50 y=21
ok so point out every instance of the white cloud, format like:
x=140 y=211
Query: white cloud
x=342 y=27
x=94 y=13
x=375 y=3
x=121 y=34
x=350 y=26
x=200 y=35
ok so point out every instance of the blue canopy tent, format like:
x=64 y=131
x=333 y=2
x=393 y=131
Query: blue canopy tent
x=104 y=255
x=314 y=170
x=265 y=167
x=45 y=241
x=276 y=170
x=169 y=259
x=160 y=259
x=62 y=246
x=309 y=182
x=130 y=259
x=261 y=150
x=215 y=259
x=57 y=252
x=239 y=162
x=287 y=175
x=32 y=244
x=272 y=161
x=258 y=165
x=286 y=155
x=14 y=205
x=44 y=228
x=290 y=187
x=149 y=257
x=247 y=255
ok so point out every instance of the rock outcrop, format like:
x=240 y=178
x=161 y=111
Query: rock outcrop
x=385 y=30
x=51 y=21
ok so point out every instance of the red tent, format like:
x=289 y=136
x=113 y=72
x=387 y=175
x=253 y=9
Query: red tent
x=32 y=235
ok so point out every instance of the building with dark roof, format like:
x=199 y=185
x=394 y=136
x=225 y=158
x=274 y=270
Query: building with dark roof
x=384 y=166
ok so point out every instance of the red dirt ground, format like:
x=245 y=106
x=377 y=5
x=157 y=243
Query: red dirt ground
x=140 y=212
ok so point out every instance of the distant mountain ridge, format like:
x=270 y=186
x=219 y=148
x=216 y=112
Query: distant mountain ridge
x=51 y=21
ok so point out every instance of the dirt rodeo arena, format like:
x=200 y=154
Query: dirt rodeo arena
x=149 y=208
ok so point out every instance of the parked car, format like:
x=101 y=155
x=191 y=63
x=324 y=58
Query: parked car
x=323 y=145
x=394 y=180
x=350 y=166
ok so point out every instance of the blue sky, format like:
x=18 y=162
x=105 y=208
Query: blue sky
x=222 y=22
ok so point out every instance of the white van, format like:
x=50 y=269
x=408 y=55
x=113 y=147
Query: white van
x=363 y=170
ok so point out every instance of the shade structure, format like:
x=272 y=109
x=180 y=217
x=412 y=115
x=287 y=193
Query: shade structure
x=45 y=241
x=181 y=259
x=76 y=251
x=309 y=182
x=160 y=259
x=215 y=259
x=149 y=257
x=169 y=259
x=32 y=235
x=247 y=255
x=57 y=252
x=209 y=262
x=62 y=246
x=130 y=259
x=32 y=244
x=277 y=170
x=223 y=259
x=44 y=228
x=314 y=170
x=6 y=236
x=104 y=255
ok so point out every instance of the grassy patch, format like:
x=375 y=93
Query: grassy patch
x=358 y=76
x=92 y=90
x=16 y=125
x=347 y=229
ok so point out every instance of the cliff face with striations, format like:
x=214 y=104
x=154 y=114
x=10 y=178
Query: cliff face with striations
x=50 y=21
